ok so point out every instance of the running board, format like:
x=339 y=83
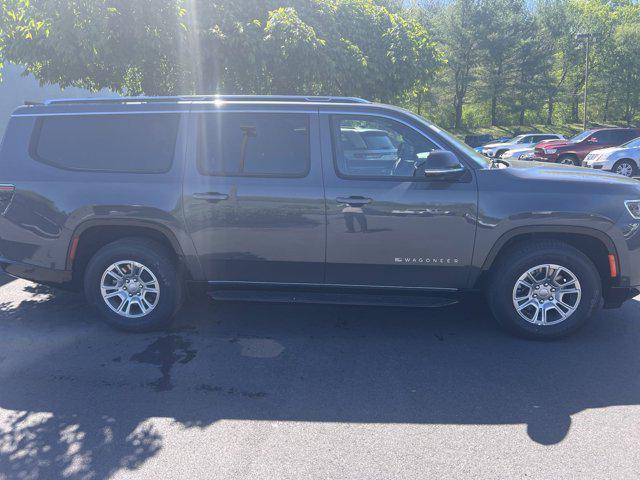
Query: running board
x=332 y=298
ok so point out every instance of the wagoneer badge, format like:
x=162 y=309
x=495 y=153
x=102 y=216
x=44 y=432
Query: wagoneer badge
x=430 y=260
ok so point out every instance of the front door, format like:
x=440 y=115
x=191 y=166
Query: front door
x=387 y=225
x=253 y=195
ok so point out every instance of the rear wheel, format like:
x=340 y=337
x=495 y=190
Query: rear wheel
x=626 y=167
x=544 y=289
x=568 y=160
x=135 y=284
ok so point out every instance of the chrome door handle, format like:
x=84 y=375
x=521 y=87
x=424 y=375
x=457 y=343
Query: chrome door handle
x=211 y=196
x=356 y=200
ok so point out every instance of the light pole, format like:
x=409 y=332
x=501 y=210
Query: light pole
x=586 y=38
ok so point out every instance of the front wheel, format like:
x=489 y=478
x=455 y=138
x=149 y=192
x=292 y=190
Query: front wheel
x=135 y=284
x=628 y=168
x=544 y=289
x=569 y=160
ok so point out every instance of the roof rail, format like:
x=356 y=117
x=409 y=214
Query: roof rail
x=204 y=98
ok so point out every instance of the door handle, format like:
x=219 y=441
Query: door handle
x=211 y=196
x=354 y=199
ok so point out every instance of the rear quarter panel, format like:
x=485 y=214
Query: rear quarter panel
x=51 y=204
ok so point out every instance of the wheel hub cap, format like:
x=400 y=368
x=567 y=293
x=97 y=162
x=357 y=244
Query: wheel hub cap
x=130 y=289
x=547 y=294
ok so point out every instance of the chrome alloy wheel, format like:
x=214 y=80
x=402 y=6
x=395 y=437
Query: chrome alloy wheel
x=547 y=294
x=130 y=289
x=624 y=168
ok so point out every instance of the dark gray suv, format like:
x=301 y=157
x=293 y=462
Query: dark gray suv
x=139 y=200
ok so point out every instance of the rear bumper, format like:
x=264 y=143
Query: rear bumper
x=35 y=273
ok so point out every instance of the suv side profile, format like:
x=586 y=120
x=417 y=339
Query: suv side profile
x=575 y=150
x=137 y=201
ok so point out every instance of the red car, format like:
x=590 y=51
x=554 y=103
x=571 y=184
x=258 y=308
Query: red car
x=573 y=151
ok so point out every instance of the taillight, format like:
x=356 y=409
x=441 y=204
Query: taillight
x=6 y=195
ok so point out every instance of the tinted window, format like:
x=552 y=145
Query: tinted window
x=621 y=136
x=367 y=146
x=254 y=144
x=603 y=136
x=136 y=143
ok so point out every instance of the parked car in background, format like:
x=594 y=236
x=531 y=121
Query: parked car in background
x=623 y=160
x=521 y=153
x=574 y=151
x=528 y=140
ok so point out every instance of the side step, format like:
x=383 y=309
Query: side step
x=269 y=296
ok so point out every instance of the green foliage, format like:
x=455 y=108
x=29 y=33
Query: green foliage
x=463 y=63
x=349 y=47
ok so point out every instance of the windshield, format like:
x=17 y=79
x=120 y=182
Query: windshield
x=517 y=139
x=632 y=144
x=378 y=141
x=582 y=136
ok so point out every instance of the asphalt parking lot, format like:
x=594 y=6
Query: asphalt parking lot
x=303 y=391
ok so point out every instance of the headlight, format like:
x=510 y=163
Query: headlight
x=633 y=206
x=549 y=151
x=507 y=154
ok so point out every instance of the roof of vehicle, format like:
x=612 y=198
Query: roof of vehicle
x=199 y=98
x=171 y=103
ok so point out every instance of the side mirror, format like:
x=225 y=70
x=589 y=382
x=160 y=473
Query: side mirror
x=441 y=163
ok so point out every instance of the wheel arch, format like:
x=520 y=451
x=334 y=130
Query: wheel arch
x=91 y=235
x=596 y=244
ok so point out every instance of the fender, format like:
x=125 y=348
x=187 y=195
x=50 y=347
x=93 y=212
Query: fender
x=587 y=231
x=189 y=257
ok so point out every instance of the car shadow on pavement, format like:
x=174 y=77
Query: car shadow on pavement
x=80 y=400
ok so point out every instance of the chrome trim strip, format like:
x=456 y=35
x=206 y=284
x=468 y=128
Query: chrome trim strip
x=341 y=285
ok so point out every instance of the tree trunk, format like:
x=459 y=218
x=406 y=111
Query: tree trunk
x=457 y=105
x=550 y=106
x=494 y=108
x=522 y=112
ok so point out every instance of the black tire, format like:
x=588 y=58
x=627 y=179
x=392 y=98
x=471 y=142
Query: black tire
x=630 y=164
x=524 y=256
x=159 y=261
x=569 y=160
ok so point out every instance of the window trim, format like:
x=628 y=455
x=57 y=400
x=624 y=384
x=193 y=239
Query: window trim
x=37 y=129
x=200 y=160
x=331 y=116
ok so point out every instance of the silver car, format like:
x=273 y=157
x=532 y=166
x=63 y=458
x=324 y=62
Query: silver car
x=624 y=160
x=529 y=140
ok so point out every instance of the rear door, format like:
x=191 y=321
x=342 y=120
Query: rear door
x=253 y=194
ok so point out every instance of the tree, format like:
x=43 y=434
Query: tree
x=499 y=37
x=351 y=47
x=459 y=36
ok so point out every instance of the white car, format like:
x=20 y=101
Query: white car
x=516 y=153
x=624 y=160
x=528 y=140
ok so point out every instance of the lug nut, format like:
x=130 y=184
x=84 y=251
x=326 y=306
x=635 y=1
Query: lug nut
x=537 y=287
x=535 y=296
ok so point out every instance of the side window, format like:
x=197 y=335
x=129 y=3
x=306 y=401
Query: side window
x=603 y=136
x=623 y=136
x=132 y=143
x=368 y=146
x=254 y=144
x=528 y=139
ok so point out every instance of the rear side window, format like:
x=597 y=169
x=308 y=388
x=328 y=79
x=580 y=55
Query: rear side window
x=623 y=136
x=131 y=143
x=254 y=144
